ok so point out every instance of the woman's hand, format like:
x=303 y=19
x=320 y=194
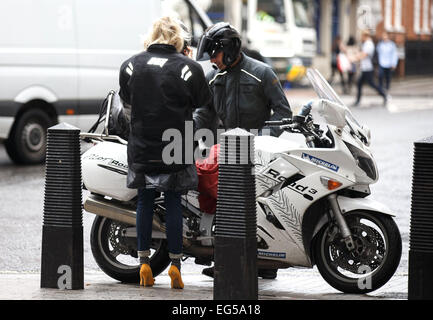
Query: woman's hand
x=187 y=52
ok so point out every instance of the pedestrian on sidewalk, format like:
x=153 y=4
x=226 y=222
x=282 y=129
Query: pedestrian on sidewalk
x=365 y=57
x=387 y=58
x=352 y=52
x=162 y=86
x=337 y=49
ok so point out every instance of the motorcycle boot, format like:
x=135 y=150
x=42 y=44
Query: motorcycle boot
x=208 y=272
x=269 y=274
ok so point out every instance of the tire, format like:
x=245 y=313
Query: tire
x=27 y=142
x=10 y=150
x=374 y=261
x=106 y=239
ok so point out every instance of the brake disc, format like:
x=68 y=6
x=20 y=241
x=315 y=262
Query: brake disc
x=369 y=250
x=117 y=240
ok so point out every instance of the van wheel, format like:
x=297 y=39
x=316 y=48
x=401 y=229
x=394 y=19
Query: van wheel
x=27 y=141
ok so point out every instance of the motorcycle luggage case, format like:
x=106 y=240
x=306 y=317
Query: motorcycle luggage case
x=105 y=168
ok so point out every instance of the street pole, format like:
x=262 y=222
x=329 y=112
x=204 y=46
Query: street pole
x=421 y=223
x=62 y=233
x=235 y=271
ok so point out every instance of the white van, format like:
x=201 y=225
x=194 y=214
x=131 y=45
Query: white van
x=60 y=58
x=281 y=31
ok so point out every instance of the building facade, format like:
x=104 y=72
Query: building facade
x=409 y=24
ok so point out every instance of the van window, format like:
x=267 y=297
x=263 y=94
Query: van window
x=197 y=27
x=176 y=8
x=183 y=11
x=304 y=13
x=271 y=10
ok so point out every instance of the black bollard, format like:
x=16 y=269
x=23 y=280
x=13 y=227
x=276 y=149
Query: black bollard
x=421 y=223
x=235 y=270
x=62 y=232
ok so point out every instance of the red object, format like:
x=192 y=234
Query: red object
x=207 y=170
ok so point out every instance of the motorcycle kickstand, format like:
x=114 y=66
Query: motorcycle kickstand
x=341 y=222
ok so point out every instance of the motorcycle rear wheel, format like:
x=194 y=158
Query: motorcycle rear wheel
x=116 y=255
x=374 y=261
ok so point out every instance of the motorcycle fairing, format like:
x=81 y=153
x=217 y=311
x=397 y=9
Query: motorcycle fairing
x=289 y=206
x=349 y=205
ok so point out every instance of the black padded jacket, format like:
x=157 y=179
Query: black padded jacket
x=163 y=88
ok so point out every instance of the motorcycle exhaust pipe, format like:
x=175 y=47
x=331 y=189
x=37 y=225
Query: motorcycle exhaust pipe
x=120 y=213
x=117 y=212
x=103 y=208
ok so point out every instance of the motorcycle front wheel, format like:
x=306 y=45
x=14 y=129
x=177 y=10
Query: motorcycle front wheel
x=371 y=264
x=116 y=253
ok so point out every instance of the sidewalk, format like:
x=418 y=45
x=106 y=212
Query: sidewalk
x=406 y=95
x=410 y=86
x=296 y=284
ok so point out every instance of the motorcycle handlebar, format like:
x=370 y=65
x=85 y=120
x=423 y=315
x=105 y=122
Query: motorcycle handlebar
x=305 y=111
x=290 y=126
x=281 y=122
x=298 y=124
x=102 y=137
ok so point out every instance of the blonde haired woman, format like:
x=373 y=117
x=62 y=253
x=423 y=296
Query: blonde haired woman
x=163 y=87
x=166 y=30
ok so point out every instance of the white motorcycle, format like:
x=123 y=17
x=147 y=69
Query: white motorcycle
x=312 y=203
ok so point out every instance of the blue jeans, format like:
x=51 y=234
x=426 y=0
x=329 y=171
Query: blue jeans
x=385 y=73
x=173 y=217
x=368 y=76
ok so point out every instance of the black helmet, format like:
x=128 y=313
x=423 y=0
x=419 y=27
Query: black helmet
x=220 y=37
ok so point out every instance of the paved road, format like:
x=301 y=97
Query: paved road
x=22 y=191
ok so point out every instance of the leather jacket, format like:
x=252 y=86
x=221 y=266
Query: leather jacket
x=244 y=96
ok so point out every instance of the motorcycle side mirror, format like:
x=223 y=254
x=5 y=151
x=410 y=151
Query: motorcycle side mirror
x=334 y=113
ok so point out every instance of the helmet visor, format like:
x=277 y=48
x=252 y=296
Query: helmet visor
x=203 y=48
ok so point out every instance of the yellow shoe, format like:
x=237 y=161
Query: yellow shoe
x=176 y=279
x=146 y=276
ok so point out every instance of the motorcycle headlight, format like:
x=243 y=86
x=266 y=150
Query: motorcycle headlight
x=364 y=162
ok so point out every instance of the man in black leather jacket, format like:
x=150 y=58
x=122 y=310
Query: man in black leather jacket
x=246 y=92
